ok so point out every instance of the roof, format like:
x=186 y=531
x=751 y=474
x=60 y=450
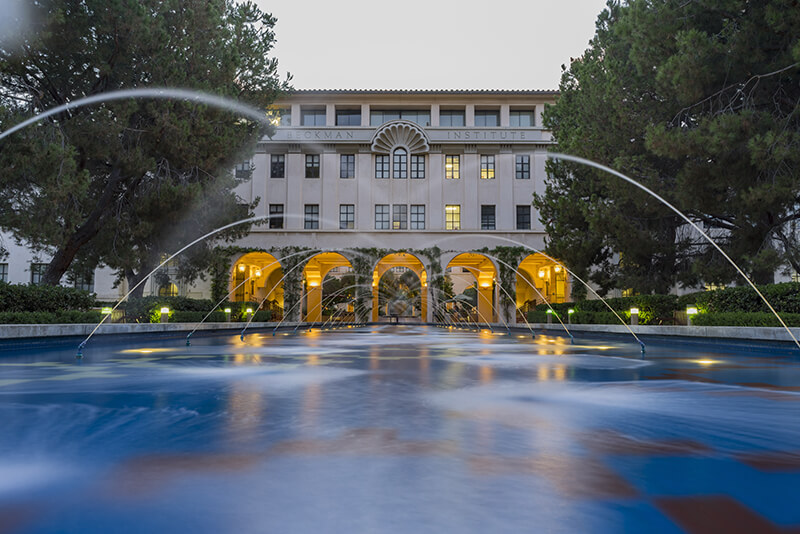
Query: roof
x=426 y=91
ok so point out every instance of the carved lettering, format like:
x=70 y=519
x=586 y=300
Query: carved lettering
x=308 y=135
x=349 y=135
x=503 y=135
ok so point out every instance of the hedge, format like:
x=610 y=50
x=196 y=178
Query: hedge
x=148 y=309
x=606 y=317
x=653 y=309
x=261 y=316
x=42 y=298
x=745 y=319
x=58 y=317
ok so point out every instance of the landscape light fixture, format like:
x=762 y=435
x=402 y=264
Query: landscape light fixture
x=634 y=316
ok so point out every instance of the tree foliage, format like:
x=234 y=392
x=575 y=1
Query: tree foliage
x=124 y=182
x=699 y=101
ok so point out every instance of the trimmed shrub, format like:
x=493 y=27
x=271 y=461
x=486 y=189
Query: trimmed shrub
x=180 y=316
x=30 y=298
x=653 y=309
x=57 y=317
x=745 y=319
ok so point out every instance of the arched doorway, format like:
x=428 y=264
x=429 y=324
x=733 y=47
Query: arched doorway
x=256 y=277
x=474 y=278
x=399 y=288
x=548 y=277
x=325 y=269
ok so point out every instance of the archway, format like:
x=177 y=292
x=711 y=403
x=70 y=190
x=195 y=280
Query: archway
x=409 y=298
x=256 y=277
x=314 y=281
x=546 y=275
x=472 y=272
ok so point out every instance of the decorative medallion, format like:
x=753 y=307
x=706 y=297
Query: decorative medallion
x=400 y=133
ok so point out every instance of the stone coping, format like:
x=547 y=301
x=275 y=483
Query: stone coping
x=38 y=331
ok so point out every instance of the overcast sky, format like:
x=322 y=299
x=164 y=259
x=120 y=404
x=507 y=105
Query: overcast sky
x=430 y=44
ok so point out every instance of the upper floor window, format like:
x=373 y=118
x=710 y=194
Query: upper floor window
x=452 y=217
x=312 y=117
x=452 y=167
x=417 y=216
x=3 y=272
x=347 y=216
x=400 y=163
x=418 y=167
x=487 y=217
x=279 y=116
x=523 y=217
x=487 y=167
x=381 y=166
x=277 y=166
x=84 y=282
x=487 y=117
x=311 y=220
x=37 y=272
x=452 y=117
x=399 y=217
x=348 y=117
x=276 y=216
x=243 y=170
x=347 y=166
x=312 y=165
x=521 y=118
x=522 y=168
x=420 y=116
x=382 y=216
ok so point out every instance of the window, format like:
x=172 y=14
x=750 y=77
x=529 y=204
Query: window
x=521 y=118
x=420 y=116
x=487 y=118
x=487 y=217
x=523 y=217
x=276 y=216
x=347 y=166
x=168 y=290
x=399 y=217
x=311 y=221
x=277 y=166
x=243 y=170
x=452 y=217
x=37 y=271
x=3 y=272
x=523 y=168
x=84 y=282
x=348 y=117
x=400 y=163
x=417 y=216
x=487 y=167
x=381 y=216
x=381 y=166
x=312 y=165
x=418 y=167
x=451 y=118
x=347 y=216
x=312 y=117
x=452 y=167
x=280 y=116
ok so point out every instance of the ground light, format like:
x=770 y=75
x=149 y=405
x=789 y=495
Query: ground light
x=690 y=311
x=634 y=316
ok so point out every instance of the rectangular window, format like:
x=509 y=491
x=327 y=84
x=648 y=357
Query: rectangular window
x=418 y=167
x=277 y=166
x=452 y=167
x=83 y=282
x=312 y=165
x=243 y=170
x=417 y=216
x=487 y=118
x=347 y=166
x=453 y=118
x=400 y=163
x=312 y=117
x=399 y=217
x=280 y=116
x=37 y=271
x=523 y=217
x=347 y=216
x=3 y=272
x=348 y=117
x=420 y=116
x=381 y=166
x=522 y=169
x=521 y=119
x=311 y=221
x=382 y=221
x=452 y=217
x=276 y=216
x=487 y=217
x=487 y=167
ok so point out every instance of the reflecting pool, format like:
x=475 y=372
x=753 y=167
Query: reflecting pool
x=399 y=429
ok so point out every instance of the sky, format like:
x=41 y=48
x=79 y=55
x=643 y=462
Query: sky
x=430 y=44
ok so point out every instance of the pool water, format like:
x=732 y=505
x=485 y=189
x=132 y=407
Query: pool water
x=399 y=429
